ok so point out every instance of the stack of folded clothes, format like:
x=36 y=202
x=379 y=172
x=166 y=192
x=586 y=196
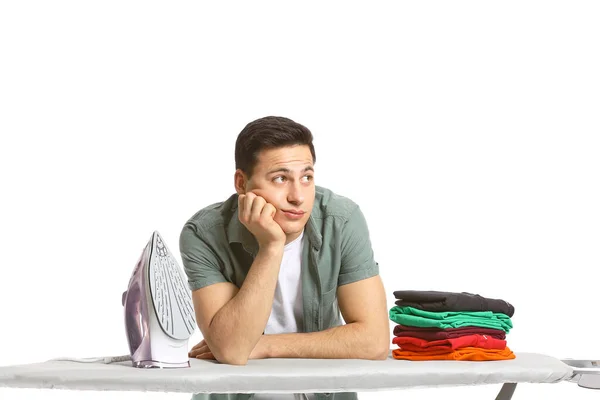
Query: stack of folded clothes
x=434 y=325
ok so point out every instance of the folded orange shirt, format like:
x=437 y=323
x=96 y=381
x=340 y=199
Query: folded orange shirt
x=464 y=354
x=448 y=345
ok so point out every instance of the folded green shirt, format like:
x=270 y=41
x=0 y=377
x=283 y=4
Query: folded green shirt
x=449 y=319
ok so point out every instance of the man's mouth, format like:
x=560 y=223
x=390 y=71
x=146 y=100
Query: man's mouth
x=294 y=212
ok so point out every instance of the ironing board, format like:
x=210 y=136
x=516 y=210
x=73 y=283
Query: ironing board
x=280 y=375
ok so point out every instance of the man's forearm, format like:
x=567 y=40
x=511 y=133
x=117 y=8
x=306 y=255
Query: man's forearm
x=354 y=340
x=239 y=324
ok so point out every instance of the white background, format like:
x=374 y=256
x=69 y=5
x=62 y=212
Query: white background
x=468 y=132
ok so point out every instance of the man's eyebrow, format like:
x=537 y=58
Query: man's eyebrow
x=287 y=170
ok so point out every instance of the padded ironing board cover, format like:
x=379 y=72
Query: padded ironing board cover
x=278 y=375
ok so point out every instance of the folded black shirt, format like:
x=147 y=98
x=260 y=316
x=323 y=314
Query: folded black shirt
x=430 y=300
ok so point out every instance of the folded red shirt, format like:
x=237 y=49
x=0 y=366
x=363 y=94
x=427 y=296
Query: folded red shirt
x=448 y=345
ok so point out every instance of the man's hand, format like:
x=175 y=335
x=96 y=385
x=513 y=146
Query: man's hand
x=257 y=215
x=201 y=351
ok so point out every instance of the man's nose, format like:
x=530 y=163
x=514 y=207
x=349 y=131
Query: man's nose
x=295 y=195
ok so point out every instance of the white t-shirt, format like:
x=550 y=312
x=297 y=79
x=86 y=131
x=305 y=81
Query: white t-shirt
x=287 y=312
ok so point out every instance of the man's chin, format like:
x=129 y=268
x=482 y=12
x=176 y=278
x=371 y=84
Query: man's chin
x=290 y=228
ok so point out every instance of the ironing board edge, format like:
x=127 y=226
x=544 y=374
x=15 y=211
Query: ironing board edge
x=171 y=381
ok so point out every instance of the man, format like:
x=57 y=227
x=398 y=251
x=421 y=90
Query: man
x=271 y=267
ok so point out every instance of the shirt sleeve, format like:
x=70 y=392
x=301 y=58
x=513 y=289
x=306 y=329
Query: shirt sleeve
x=357 y=254
x=200 y=263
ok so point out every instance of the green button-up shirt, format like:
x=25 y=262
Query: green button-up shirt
x=216 y=247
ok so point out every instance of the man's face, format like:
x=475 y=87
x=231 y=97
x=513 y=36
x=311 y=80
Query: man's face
x=285 y=178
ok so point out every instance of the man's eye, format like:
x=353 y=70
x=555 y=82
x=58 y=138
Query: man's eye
x=278 y=177
x=308 y=177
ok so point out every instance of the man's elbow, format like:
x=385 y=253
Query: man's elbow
x=378 y=352
x=379 y=346
x=231 y=355
x=382 y=354
x=232 y=360
x=374 y=341
x=226 y=353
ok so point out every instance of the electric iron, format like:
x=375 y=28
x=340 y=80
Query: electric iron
x=159 y=313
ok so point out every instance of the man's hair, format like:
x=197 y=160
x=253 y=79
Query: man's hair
x=269 y=133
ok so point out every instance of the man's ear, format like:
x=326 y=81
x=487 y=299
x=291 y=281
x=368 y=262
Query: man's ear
x=240 y=181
